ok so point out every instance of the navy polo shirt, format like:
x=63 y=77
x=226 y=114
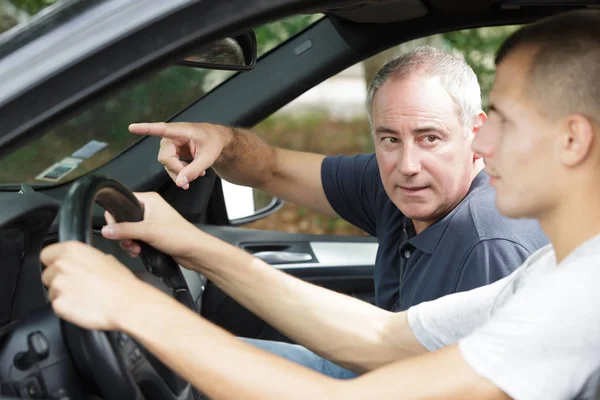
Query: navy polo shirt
x=472 y=246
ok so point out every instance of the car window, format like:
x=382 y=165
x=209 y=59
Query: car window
x=99 y=133
x=331 y=118
x=273 y=34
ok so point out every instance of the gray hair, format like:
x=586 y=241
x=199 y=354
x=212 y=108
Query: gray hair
x=456 y=75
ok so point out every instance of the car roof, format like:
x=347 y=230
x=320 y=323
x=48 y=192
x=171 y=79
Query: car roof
x=109 y=41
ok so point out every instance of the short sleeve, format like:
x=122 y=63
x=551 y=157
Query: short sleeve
x=443 y=322
x=351 y=185
x=544 y=342
x=488 y=261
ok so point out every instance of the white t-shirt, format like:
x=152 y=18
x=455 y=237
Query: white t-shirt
x=535 y=334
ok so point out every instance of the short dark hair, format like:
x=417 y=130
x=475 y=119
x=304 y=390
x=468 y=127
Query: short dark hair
x=564 y=70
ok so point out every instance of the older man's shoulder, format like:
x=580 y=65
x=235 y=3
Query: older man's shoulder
x=481 y=212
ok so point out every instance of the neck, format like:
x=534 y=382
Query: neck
x=570 y=226
x=420 y=226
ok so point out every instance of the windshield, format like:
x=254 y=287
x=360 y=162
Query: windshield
x=99 y=133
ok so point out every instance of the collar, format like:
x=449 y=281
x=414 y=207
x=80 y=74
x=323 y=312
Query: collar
x=428 y=240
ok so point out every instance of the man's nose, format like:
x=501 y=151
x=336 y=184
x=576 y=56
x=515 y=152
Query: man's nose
x=484 y=142
x=410 y=162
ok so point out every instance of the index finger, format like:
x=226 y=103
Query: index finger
x=171 y=130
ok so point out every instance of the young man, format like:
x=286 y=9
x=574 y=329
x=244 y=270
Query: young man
x=532 y=335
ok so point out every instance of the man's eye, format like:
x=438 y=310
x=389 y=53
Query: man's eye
x=390 y=140
x=431 y=138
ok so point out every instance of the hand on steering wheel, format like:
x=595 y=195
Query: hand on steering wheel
x=120 y=367
x=90 y=293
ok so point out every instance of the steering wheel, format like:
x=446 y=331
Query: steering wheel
x=119 y=366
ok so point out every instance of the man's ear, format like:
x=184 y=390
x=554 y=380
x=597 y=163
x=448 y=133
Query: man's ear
x=576 y=139
x=481 y=117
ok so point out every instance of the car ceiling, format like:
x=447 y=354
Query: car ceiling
x=388 y=11
x=381 y=11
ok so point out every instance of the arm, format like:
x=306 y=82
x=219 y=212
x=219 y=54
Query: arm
x=222 y=366
x=351 y=332
x=342 y=329
x=240 y=157
x=213 y=360
x=290 y=175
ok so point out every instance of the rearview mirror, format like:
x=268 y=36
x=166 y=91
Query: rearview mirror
x=237 y=53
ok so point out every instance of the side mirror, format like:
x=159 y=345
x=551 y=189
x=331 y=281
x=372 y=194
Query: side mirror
x=238 y=53
x=245 y=204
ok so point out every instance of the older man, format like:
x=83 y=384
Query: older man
x=423 y=193
x=532 y=335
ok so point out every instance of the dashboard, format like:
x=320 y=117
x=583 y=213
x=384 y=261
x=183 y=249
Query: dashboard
x=37 y=358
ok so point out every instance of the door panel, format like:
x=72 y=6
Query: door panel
x=341 y=263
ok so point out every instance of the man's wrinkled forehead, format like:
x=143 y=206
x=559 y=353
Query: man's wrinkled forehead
x=415 y=92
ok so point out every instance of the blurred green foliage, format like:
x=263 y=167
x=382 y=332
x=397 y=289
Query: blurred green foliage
x=32 y=6
x=272 y=35
x=479 y=47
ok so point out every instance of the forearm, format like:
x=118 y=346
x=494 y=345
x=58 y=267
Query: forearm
x=439 y=375
x=340 y=328
x=289 y=175
x=218 y=364
x=223 y=367
x=246 y=159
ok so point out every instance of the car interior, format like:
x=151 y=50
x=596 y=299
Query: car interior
x=44 y=357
